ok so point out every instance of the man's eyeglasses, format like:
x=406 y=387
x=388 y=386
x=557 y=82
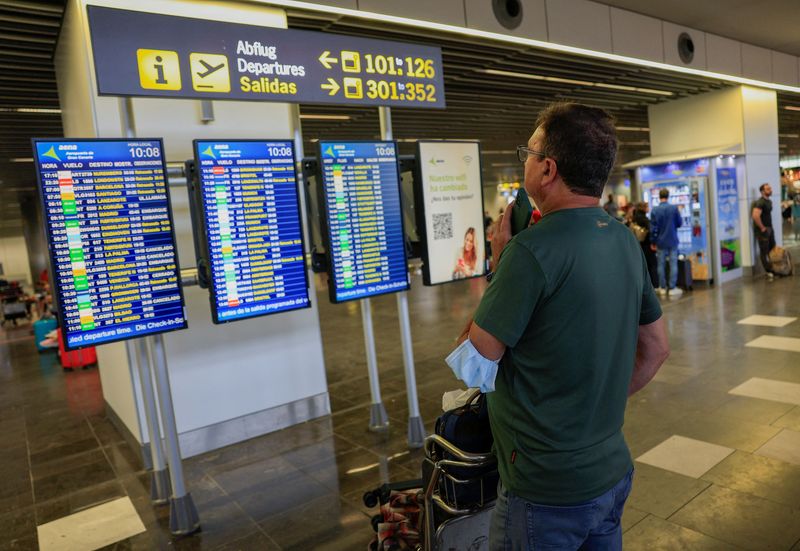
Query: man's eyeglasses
x=523 y=153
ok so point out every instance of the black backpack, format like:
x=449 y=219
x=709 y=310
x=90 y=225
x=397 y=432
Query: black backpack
x=467 y=428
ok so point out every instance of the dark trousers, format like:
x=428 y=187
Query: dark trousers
x=766 y=242
x=652 y=263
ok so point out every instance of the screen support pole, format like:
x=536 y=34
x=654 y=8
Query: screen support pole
x=183 y=517
x=416 y=428
x=378 y=418
x=159 y=478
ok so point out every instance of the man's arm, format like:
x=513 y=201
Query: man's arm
x=652 y=349
x=757 y=219
x=678 y=218
x=485 y=343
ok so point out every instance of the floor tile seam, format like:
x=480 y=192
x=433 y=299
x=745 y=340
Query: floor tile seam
x=674 y=521
x=679 y=509
x=783 y=505
x=247 y=516
x=646 y=515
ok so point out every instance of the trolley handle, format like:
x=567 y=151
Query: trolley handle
x=471 y=459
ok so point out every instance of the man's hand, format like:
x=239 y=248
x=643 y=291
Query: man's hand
x=502 y=235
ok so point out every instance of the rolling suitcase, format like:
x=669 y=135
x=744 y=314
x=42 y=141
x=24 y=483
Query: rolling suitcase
x=40 y=330
x=82 y=357
x=685 y=280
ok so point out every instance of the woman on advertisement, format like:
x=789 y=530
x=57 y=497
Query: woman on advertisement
x=467 y=257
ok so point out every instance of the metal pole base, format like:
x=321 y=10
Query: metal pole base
x=416 y=432
x=378 y=418
x=159 y=487
x=183 y=519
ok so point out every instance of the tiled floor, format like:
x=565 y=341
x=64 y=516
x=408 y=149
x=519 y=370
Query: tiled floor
x=301 y=488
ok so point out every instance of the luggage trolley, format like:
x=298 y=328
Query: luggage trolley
x=457 y=496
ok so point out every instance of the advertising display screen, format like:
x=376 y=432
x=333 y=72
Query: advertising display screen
x=450 y=199
x=364 y=219
x=254 y=237
x=112 y=246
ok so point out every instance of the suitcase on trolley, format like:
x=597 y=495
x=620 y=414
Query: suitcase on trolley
x=40 y=330
x=83 y=357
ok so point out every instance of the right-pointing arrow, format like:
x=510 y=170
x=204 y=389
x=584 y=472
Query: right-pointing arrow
x=332 y=87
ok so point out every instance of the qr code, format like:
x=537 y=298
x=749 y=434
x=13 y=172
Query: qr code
x=443 y=226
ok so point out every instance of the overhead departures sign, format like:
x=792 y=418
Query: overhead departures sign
x=112 y=247
x=364 y=219
x=144 y=54
x=251 y=214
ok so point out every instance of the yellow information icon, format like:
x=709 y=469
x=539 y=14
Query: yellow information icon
x=210 y=72
x=159 y=69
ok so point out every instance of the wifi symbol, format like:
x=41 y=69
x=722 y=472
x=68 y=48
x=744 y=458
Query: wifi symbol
x=467 y=159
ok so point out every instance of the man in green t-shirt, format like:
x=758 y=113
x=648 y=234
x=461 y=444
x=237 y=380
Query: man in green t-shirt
x=571 y=326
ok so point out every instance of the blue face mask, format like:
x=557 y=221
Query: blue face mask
x=469 y=366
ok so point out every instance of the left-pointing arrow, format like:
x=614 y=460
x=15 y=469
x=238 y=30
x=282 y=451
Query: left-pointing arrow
x=332 y=87
x=326 y=60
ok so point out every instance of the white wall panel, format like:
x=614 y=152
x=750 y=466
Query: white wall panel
x=756 y=62
x=671 y=34
x=636 y=35
x=450 y=12
x=697 y=122
x=14 y=258
x=784 y=68
x=480 y=16
x=579 y=23
x=723 y=55
x=760 y=120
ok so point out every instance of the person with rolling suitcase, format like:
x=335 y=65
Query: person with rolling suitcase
x=664 y=223
x=762 y=225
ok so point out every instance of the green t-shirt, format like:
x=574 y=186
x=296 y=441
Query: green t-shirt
x=567 y=300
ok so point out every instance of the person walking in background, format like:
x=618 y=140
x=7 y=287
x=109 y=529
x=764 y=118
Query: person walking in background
x=664 y=223
x=611 y=207
x=648 y=247
x=796 y=216
x=762 y=224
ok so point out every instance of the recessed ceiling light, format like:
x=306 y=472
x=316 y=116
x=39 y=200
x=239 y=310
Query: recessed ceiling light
x=586 y=83
x=792 y=108
x=325 y=117
x=21 y=160
x=633 y=128
x=29 y=110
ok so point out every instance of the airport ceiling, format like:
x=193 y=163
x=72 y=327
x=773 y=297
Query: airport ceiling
x=497 y=107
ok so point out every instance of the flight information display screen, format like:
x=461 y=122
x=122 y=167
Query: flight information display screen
x=251 y=213
x=112 y=246
x=364 y=218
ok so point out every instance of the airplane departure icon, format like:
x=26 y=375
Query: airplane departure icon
x=210 y=72
x=209 y=68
